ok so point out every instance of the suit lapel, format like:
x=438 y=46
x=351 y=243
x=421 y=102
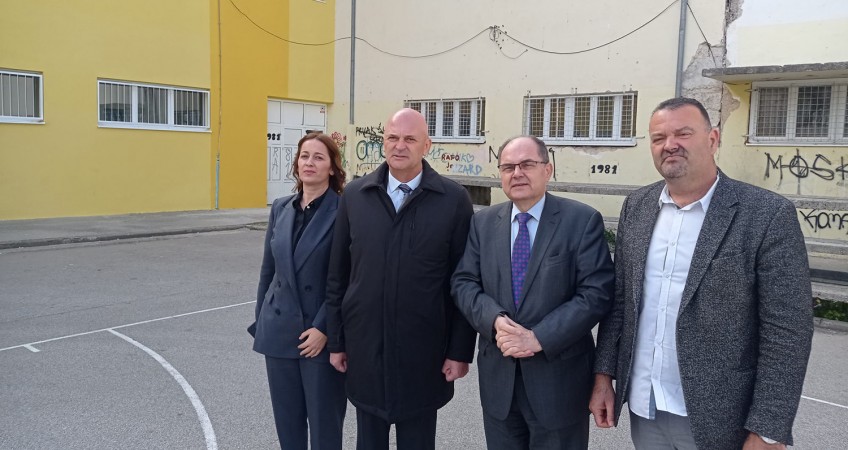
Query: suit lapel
x=716 y=223
x=640 y=227
x=283 y=240
x=503 y=252
x=548 y=224
x=318 y=227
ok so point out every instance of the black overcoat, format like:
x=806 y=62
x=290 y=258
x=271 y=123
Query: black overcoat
x=388 y=293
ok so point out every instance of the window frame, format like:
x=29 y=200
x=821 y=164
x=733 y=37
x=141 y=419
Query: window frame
x=566 y=124
x=24 y=119
x=837 y=120
x=134 y=122
x=477 y=133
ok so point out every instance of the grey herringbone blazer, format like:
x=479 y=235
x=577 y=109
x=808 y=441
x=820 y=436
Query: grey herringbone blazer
x=745 y=325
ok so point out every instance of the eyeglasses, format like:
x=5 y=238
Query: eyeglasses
x=525 y=165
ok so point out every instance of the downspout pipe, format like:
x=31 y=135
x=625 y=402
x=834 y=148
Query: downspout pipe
x=681 y=43
x=352 y=56
x=220 y=113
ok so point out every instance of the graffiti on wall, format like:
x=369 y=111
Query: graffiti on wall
x=819 y=220
x=800 y=167
x=371 y=134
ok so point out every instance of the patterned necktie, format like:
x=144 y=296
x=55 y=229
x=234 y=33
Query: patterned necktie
x=406 y=190
x=520 y=257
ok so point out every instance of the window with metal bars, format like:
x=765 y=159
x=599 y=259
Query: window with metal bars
x=582 y=119
x=454 y=120
x=799 y=113
x=20 y=97
x=133 y=105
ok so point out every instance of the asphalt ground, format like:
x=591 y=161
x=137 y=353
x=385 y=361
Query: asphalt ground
x=141 y=344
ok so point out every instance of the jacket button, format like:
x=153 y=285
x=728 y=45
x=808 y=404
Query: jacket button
x=279 y=283
x=277 y=311
x=308 y=288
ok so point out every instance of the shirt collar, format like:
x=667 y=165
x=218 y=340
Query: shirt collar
x=413 y=183
x=665 y=197
x=535 y=210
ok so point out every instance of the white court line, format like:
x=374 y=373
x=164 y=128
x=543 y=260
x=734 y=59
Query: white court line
x=28 y=345
x=31 y=348
x=825 y=402
x=205 y=423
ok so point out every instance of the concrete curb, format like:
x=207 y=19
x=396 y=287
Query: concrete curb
x=833 y=325
x=116 y=237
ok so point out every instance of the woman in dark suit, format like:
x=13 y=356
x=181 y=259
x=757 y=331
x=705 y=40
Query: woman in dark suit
x=290 y=327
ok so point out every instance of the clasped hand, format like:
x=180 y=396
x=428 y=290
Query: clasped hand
x=313 y=342
x=515 y=340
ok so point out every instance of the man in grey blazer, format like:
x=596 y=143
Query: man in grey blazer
x=535 y=278
x=710 y=333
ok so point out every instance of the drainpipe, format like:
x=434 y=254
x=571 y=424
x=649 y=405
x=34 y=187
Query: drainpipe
x=352 y=55
x=220 y=112
x=681 y=41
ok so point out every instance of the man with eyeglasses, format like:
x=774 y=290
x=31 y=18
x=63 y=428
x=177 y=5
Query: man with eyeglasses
x=535 y=278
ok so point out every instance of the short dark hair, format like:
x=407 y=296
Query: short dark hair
x=541 y=147
x=337 y=179
x=679 y=102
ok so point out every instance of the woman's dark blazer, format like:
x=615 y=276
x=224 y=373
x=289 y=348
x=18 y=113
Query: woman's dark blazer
x=290 y=298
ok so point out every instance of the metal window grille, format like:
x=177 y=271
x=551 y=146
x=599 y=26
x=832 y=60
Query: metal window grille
x=604 y=121
x=455 y=119
x=799 y=112
x=146 y=106
x=627 y=114
x=190 y=108
x=481 y=117
x=771 y=113
x=556 y=124
x=536 y=117
x=20 y=95
x=447 y=119
x=115 y=102
x=152 y=105
x=582 y=116
x=845 y=115
x=430 y=115
x=813 y=111
x=465 y=118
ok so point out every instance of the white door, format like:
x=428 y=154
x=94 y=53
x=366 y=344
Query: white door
x=287 y=123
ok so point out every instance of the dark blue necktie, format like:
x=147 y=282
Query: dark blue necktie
x=520 y=257
x=406 y=190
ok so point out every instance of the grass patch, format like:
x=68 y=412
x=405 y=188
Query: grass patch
x=830 y=310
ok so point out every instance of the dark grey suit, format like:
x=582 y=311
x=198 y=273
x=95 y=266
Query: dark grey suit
x=290 y=300
x=567 y=290
x=745 y=322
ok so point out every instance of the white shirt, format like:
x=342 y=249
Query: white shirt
x=396 y=194
x=655 y=370
x=532 y=224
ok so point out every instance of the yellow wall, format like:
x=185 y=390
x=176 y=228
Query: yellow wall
x=67 y=166
x=257 y=65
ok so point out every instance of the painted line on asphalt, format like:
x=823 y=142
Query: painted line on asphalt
x=29 y=346
x=825 y=402
x=205 y=423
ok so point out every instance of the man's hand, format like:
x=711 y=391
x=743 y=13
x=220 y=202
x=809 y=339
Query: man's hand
x=602 y=403
x=515 y=340
x=313 y=342
x=454 y=370
x=339 y=361
x=755 y=442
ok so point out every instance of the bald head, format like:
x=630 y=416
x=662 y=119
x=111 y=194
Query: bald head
x=405 y=144
x=408 y=116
